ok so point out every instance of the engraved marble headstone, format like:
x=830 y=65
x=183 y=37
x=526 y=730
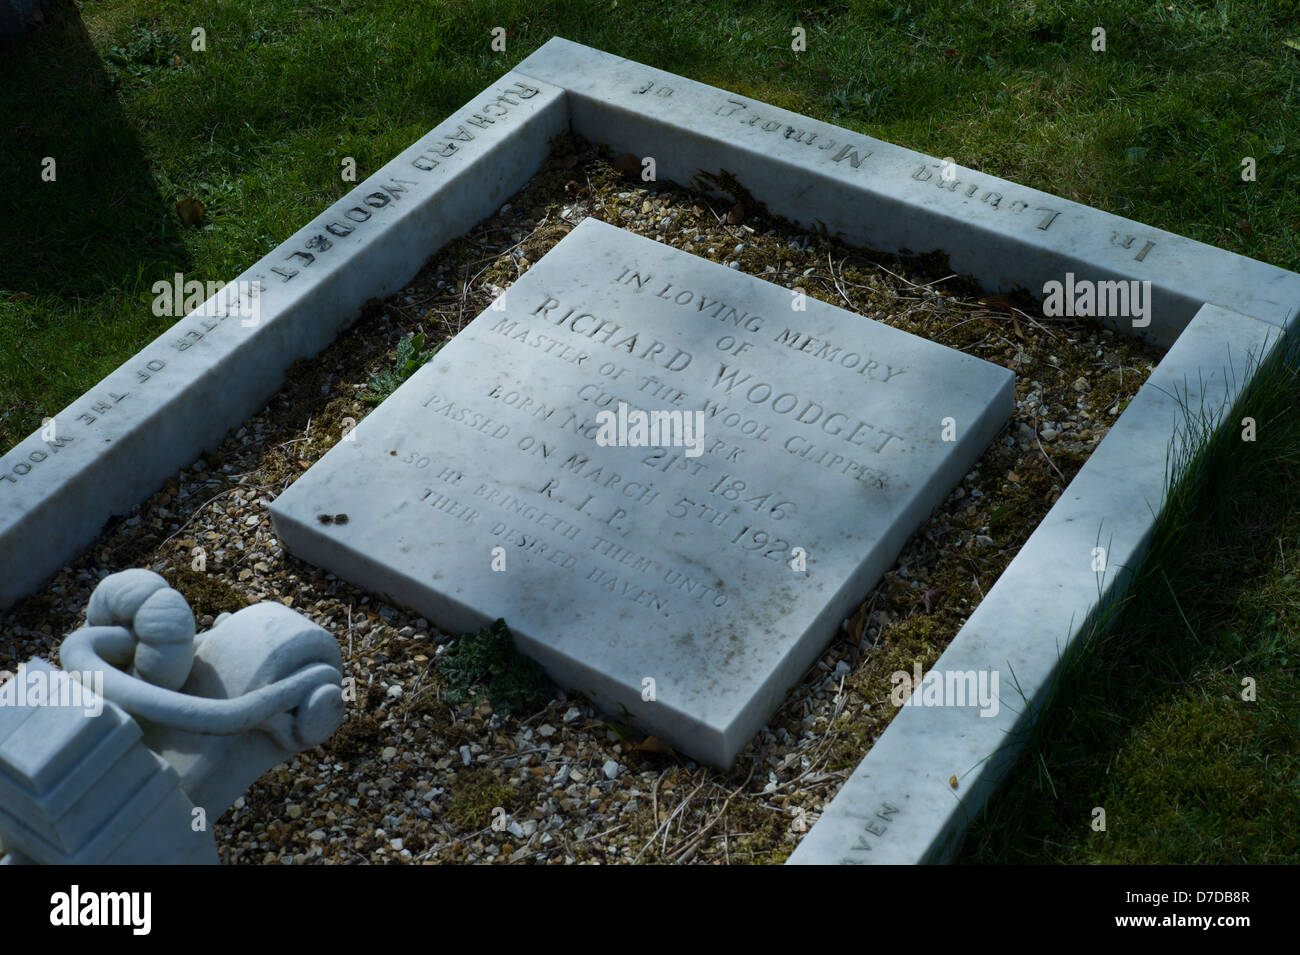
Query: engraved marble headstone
x=687 y=582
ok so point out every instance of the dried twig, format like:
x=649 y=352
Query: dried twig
x=1047 y=456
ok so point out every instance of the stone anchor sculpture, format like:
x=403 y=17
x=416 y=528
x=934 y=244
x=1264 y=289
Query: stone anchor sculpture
x=163 y=724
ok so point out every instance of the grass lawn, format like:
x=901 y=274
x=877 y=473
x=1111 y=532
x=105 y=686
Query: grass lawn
x=1154 y=128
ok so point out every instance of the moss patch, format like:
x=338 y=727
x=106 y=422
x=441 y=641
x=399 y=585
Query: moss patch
x=477 y=793
x=207 y=594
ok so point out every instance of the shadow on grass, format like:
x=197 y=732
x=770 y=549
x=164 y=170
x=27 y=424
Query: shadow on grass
x=1150 y=723
x=102 y=222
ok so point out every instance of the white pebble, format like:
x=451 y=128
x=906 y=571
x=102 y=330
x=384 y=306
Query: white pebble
x=610 y=769
x=395 y=691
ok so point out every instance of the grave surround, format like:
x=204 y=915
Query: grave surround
x=1219 y=313
x=120 y=441
x=822 y=430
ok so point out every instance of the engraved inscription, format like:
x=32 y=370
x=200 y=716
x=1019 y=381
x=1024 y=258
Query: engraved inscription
x=339 y=222
x=709 y=556
x=1125 y=241
x=744 y=114
x=649 y=86
x=713 y=494
x=968 y=189
x=877 y=825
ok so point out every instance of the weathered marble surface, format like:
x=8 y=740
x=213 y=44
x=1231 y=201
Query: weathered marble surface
x=823 y=431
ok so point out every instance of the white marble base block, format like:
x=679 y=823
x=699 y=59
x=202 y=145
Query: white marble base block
x=823 y=431
x=150 y=733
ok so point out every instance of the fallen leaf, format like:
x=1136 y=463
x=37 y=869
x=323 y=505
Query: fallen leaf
x=952 y=781
x=1244 y=226
x=618 y=729
x=999 y=302
x=190 y=210
x=176 y=61
x=653 y=744
x=737 y=214
x=629 y=166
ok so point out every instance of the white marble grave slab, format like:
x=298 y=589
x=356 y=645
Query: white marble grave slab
x=823 y=431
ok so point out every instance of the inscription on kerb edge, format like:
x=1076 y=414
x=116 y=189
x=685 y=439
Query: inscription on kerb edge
x=962 y=184
x=703 y=567
x=339 y=222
